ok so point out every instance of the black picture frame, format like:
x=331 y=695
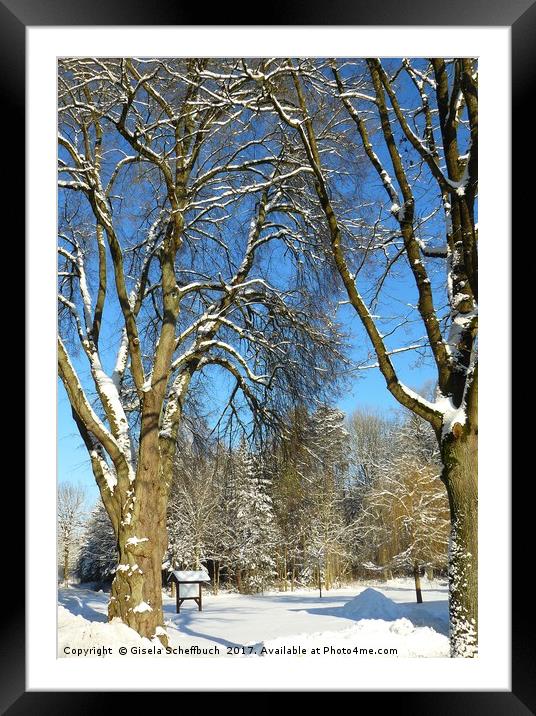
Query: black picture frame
x=15 y=16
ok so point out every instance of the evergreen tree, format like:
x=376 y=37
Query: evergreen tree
x=250 y=526
x=97 y=559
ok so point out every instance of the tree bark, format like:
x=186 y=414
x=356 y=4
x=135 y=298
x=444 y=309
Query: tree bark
x=216 y=577
x=66 y=566
x=137 y=587
x=136 y=596
x=239 y=580
x=417 y=577
x=460 y=459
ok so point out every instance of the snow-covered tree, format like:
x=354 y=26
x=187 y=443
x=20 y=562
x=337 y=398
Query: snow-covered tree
x=289 y=488
x=193 y=506
x=393 y=151
x=310 y=473
x=326 y=545
x=70 y=516
x=97 y=559
x=211 y=207
x=328 y=532
x=250 y=530
x=404 y=517
x=174 y=210
x=370 y=442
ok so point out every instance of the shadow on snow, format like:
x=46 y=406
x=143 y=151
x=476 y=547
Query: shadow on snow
x=79 y=607
x=431 y=614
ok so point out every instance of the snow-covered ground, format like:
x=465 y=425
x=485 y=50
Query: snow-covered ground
x=375 y=616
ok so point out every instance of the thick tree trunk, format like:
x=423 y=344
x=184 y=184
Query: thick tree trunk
x=137 y=587
x=136 y=596
x=460 y=459
x=417 y=577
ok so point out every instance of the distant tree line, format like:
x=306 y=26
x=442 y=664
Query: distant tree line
x=331 y=500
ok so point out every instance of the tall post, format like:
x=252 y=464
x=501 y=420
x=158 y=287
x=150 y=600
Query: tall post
x=417 y=577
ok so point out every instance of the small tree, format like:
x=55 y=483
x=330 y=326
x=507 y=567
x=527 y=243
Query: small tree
x=70 y=519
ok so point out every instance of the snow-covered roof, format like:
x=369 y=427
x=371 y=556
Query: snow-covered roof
x=191 y=576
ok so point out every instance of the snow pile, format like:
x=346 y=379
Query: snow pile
x=369 y=637
x=76 y=633
x=381 y=629
x=371 y=604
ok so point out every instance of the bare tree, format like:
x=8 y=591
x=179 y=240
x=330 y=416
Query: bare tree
x=193 y=504
x=70 y=516
x=415 y=124
x=370 y=444
x=404 y=515
x=174 y=211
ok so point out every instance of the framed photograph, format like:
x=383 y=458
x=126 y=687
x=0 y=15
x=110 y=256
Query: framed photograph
x=253 y=430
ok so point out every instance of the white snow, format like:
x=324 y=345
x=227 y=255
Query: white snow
x=143 y=607
x=136 y=540
x=383 y=617
x=79 y=636
x=109 y=475
x=192 y=575
x=373 y=637
x=371 y=604
x=451 y=414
